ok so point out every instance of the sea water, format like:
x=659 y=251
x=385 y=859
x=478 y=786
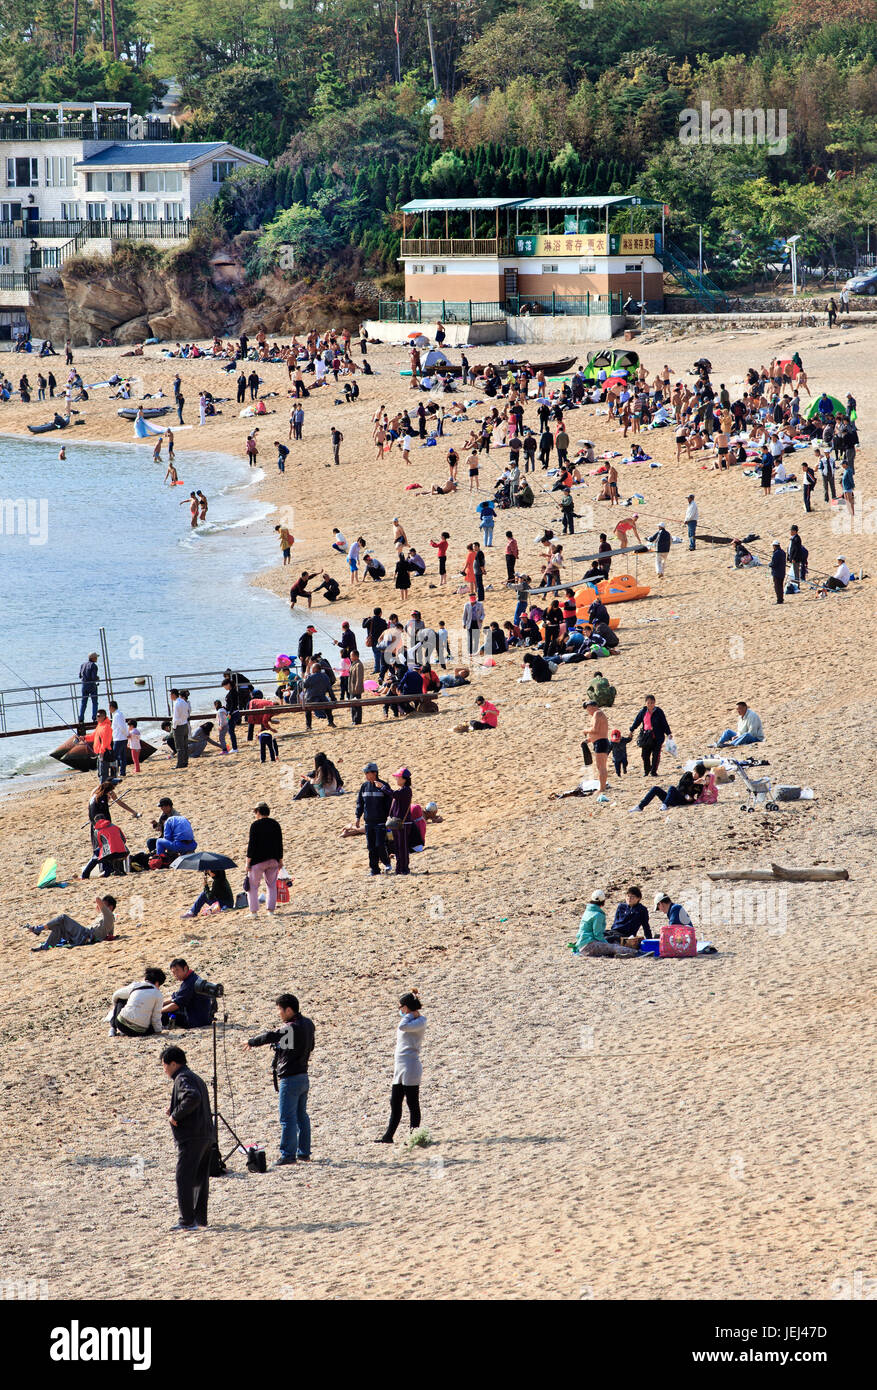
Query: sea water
x=101 y=541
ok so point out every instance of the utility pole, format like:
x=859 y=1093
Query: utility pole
x=435 y=81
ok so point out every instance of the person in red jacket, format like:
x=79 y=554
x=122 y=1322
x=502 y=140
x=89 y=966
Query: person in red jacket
x=511 y=557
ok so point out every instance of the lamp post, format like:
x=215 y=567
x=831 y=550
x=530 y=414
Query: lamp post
x=793 y=247
x=642 y=296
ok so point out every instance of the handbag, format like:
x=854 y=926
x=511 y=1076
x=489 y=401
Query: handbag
x=393 y=823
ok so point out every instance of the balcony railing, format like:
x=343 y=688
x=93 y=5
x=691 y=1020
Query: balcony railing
x=139 y=128
x=473 y=311
x=18 y=280
x=135 y=230
x=458 y=246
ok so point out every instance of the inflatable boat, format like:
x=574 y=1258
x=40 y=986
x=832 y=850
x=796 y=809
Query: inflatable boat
x=78 y=754
x=60 y=422
x=152 y=412
x=619 y=589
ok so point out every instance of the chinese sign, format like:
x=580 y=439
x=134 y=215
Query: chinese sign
x=586 y=244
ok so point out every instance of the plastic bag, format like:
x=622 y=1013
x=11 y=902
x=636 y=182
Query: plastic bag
x=671 y=748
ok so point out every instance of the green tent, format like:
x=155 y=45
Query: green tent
x=836 y=406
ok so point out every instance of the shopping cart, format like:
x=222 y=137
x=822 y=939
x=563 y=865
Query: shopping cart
x=759 y=792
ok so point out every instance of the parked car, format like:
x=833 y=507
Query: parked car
x=864 y=283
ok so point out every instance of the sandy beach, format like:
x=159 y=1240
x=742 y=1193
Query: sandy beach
x=602 y=1128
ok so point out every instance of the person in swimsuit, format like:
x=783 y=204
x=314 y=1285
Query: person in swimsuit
x=203 y=504
x=597 y=734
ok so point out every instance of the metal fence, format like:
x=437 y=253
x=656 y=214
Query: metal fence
x=494 y=311
x=85 y=130
x=44 y=705
x=156 y=228
x=18 y=280
x=200 y=681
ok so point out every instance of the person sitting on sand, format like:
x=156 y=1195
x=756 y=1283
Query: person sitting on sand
x=215 y=896
x=325 y=780
x=592 y=926
x=137 y=1007
x=72 y=933
x=695 y=787
x=631 y=917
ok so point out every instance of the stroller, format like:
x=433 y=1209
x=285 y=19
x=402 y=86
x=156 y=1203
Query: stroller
x=758 y=789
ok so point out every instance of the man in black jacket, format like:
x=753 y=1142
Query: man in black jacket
x=372 y=806
x=778 y=570
x=192 y=1123
x=374 y=628
x=655 y=730
x=293 y=1043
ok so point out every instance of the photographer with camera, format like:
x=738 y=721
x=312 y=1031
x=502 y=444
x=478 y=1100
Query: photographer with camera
x=192 y=1005
x=293 y=1044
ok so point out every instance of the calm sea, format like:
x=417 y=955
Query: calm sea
x=101 y=542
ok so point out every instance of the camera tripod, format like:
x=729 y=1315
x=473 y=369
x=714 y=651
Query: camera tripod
x=218 y=1163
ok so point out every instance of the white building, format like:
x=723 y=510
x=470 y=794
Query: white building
x=78 y=177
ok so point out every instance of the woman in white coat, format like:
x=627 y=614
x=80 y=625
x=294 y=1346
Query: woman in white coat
x=407 y=1067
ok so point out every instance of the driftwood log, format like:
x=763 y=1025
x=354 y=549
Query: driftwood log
x=786 y=875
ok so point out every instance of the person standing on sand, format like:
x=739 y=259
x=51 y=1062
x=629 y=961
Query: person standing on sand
x=400 y=810
x=407 y=1066
x=597 y=734
x=372 y=805
x=202 y=409
x=191 y=1120
x=778 y=570
x=293 y=1043
x=655 y=729
x=337 y=440
x=251 y=448
x=286 y=540
x=264 y=858
x=181 y=401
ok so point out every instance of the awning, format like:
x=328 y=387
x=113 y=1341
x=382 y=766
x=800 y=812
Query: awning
x=461 y=204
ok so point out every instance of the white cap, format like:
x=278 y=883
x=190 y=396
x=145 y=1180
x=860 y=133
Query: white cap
x=597 y=897
x=662 y=897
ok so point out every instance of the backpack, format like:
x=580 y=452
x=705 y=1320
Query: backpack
x=602 y=692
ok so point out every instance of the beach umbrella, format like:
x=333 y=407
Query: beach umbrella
x=203 y=859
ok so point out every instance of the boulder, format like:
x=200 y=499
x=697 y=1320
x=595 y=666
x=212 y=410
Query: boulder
x=134 y=331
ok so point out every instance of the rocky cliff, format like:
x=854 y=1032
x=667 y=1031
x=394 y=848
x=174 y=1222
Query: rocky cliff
x=193 y=292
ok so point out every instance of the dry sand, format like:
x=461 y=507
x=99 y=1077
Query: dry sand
x=651 y=1129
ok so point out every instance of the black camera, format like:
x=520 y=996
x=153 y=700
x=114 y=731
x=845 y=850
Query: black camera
x=205 y=987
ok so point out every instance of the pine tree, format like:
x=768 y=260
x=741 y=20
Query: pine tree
x=299 y=191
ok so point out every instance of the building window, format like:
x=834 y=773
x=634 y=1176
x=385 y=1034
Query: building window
x=629 y=268
x=162 y=181
x=585 y=269
x=108 y=183
x=59 y=171
x=551 y=269
x=96 y=212
x=4 y=255
x=417 y=270
x=221 y=169
x=149 y=212
x=10 y=212
x=439 y=269
x=122 y=212
x=173 y=212
x=22 y=173
x=69 y=212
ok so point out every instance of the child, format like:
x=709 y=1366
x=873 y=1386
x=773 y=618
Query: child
x=134 y=743
x=267 y=742
x=618 y=750
x=221 y=724
x=344 y=677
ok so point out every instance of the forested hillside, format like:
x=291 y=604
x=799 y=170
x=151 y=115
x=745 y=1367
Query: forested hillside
x=548 y=96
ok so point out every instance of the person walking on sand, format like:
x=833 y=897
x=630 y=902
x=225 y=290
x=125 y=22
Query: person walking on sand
x=252 y=447
x=597 y=734
x=407 y=1066
x=662 y=541
x=180 y=402
x=264 y=858
x=372 y=806
x=202 y=409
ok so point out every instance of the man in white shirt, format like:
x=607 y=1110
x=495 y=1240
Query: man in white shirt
x=137 y=1007
x=120 y=738
x=691 y=520
x=841 y=577
x=180 y=720
x=749 y=728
